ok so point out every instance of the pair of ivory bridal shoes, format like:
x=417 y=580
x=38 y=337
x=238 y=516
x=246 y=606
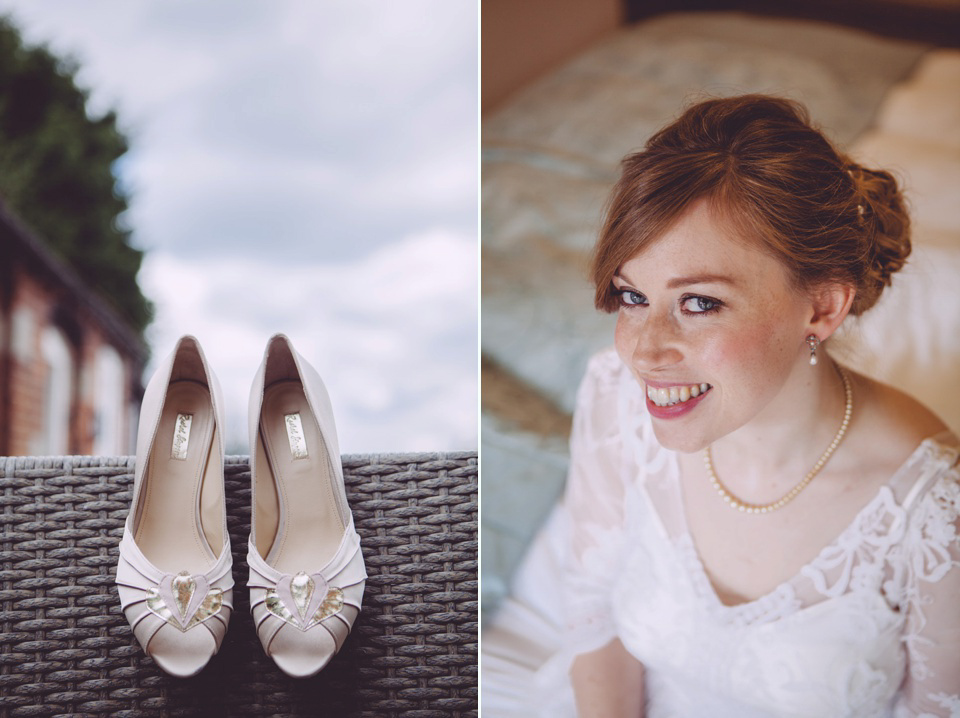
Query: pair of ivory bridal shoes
x=306 y=569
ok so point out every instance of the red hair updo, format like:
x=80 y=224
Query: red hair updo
x=776 y=181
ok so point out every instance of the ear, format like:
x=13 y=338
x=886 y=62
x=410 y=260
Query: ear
x=830 y=305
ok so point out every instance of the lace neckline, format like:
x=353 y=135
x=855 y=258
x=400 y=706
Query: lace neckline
x=882 y=503
x=782 y=598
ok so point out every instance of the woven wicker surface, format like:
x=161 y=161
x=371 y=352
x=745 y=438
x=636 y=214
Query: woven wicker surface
x=65 y=648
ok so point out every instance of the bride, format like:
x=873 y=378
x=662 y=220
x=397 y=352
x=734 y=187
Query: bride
x=749 y=529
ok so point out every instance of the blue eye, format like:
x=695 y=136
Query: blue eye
x=700 y=305
x=630 y=298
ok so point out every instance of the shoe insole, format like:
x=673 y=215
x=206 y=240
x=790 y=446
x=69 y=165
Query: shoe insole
x=309 y=527
x=180 y=512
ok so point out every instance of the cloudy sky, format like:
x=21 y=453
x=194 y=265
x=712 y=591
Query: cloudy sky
x=302 y=166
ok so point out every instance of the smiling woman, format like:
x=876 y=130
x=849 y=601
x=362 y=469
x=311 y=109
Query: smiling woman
x=750 y=529
x=713 y=312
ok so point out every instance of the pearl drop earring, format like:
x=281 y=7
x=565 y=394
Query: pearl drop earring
x=813 y=341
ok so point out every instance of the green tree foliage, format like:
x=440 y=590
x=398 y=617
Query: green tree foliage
x=56 y=172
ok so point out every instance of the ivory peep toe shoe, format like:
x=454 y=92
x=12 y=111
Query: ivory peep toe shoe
x=174 y=574
x=306 y=569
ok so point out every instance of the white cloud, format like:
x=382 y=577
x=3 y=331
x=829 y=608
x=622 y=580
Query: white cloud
x=387 y=333
x=249 y=117
x=307 y=167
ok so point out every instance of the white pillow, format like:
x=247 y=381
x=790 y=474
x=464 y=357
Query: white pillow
x=911 y=338
x=928 y=105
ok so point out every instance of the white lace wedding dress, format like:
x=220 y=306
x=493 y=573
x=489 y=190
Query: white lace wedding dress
x=870 y=627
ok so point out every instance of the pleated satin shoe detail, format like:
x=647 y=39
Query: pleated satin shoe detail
x=306 y=568
x=174 y=574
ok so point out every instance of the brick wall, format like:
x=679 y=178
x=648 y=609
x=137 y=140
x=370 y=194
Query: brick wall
x=33 y=333
x=28 y=371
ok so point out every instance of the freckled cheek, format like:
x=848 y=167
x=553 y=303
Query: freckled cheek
x=623 y=338
x=745 y=356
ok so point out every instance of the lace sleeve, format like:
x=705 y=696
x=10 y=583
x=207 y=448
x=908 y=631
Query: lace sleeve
x=593 y=508
x=932 y=687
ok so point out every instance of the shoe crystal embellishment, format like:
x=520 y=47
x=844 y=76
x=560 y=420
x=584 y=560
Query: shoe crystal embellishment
x=302 y=588
x=300 y=593
x=181 y=589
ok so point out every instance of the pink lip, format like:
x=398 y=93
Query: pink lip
x=677 y=410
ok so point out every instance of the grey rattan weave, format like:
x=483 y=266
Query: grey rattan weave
x=65 y=648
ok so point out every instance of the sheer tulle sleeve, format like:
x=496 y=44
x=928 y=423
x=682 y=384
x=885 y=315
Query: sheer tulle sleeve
x=932 y=687
x=594 y=508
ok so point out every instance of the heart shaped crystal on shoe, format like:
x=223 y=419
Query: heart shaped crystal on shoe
x=173 y=600
x=297 y=600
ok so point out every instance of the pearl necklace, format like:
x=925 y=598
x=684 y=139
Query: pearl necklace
x=734 y=503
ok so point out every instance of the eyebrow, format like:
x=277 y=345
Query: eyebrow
x=693 y=279
x=700 y=279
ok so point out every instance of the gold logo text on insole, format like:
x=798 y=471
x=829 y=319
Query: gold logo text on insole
x=181 y=436
x=298 y=444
